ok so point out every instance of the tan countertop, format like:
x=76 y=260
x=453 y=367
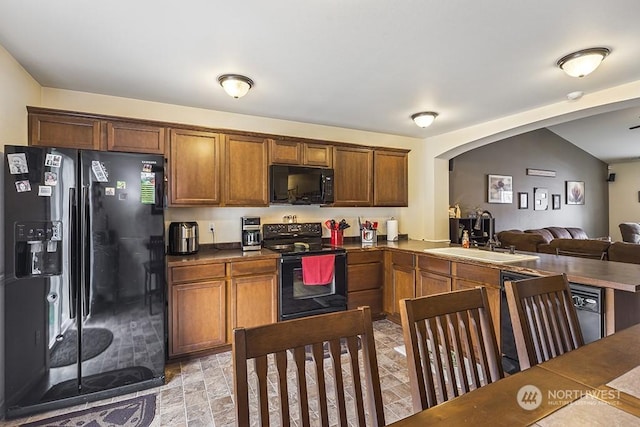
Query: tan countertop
x=605 y=274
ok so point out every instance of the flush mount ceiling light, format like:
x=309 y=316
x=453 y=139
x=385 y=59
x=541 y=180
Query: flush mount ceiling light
x=424 y=119
x=235 y=85
x=583 y=62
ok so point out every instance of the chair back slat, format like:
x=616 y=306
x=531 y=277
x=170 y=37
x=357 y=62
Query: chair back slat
x=544 y=319
x=260 y=367
x=451 y=345
x=283 y=389
x=309 y=366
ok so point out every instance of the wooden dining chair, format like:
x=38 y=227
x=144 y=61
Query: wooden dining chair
x=451 y=345
x=308 y=363
x=543 y=317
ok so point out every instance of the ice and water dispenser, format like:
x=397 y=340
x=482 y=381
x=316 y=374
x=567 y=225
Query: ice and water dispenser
x=38 y=250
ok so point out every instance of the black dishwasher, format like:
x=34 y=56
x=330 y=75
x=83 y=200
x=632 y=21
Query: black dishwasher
x=588 y=301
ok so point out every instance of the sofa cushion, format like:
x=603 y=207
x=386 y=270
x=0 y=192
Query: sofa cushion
x=522 y=241
x=624 y=252
x=577 y=233
x=559 y=232
x=592 y=248
x=630 y=232
x=546 y=234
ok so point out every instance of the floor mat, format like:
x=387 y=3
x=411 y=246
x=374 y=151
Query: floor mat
x=98 y=382
x=136 y=412
x=94 y=342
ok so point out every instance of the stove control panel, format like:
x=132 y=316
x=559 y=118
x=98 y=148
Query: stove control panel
x=302 y=229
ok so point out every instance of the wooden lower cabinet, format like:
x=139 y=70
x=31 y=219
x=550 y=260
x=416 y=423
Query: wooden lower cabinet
x=198 y=316
x=365 y=273
x=402 y=279
x=208 y=300
x=433 y=276
x=254 y=300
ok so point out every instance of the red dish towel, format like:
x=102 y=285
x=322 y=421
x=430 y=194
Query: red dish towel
x=318 y=270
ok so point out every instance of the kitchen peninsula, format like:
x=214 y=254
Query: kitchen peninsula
x=379 y=275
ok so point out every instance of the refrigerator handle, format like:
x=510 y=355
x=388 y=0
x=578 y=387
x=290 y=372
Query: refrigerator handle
x=86 y=255
x=73 y=271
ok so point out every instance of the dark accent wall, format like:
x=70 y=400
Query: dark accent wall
x=540 y=149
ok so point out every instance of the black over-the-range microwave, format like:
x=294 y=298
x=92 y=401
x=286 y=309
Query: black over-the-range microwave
x=300 y=185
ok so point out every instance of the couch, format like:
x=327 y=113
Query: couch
x=630 y=232
x=556 y=240
x=624 y=252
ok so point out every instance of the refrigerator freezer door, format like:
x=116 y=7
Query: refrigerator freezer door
x=38 y=208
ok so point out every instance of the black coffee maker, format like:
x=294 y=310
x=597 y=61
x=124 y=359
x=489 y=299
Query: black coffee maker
x=251 y=235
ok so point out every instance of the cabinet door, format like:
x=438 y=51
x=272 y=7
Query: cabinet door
x=390 y=178
x=246 y=171
x=194 y=167
x=285 y=152
x=198 y=316
x=135 y=137
x=318 y=155
x=254 y=300
x=404 y=282
x=53 y=130
x=353 y=176
x=429 y=283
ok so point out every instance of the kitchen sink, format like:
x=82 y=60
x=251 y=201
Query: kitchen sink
x=481 y=255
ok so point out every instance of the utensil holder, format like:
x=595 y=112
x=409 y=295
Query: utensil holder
x=368 y=236
x=337 y=237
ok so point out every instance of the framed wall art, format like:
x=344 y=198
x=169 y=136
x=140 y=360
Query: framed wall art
x=575 y=192
x=555 y=201
x=540 y=199
x=523 y=200
x=500 y=189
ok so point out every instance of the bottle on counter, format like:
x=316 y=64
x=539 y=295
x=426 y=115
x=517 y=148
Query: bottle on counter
x=465 y=239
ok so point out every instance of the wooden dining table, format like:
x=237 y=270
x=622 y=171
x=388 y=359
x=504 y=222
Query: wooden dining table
x=596 y=383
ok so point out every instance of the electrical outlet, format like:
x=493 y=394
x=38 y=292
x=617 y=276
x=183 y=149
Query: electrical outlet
x=211 y=226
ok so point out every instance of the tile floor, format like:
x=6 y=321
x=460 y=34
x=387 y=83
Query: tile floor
x=199 y=392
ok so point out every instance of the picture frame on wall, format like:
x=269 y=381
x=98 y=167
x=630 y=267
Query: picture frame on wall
x=500 y=189
x=555 y=201
x=574 y=192
x=540 y=199
x=523 y=200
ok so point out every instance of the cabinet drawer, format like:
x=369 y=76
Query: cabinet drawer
x=485 y=275
x=364 y=276
x=437 y=265
x=193 y=273
x=257 y=266
x=364 y=257
x=402 y=258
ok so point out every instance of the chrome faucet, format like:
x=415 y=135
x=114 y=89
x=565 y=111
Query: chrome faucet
x=478 y=226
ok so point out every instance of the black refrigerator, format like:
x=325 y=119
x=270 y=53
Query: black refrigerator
x=84 y=276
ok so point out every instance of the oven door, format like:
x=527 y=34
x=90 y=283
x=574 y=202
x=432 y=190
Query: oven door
x=300 y=300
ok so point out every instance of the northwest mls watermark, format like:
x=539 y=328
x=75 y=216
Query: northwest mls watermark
x=530 y=397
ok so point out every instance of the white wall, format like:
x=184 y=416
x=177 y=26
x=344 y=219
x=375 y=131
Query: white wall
x=17 y=89
x=624 y=196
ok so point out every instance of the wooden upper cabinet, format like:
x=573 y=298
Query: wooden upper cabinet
x=68 y=131
x=390 y=178
x=285 y=152
x=194 y=167
x=353 y=173
x=135 y=137
x=246 y=171
x=318 y=155
x=300 y=153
